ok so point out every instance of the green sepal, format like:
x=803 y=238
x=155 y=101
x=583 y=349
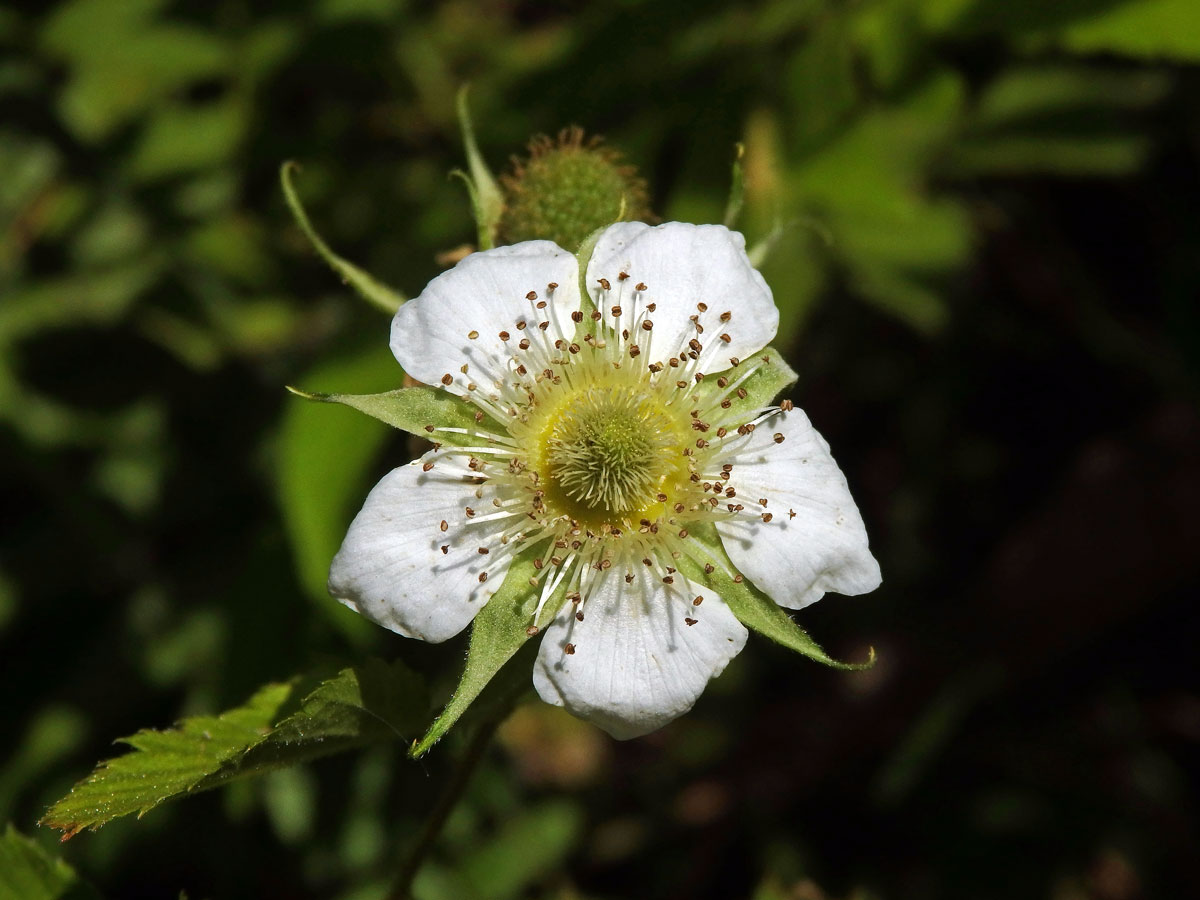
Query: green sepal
x=498 y=632
x=771 y=379
x=583 y=256
x=371 y=290
x=366 y=704
x=27 y=872
x=737 y=188
x=411 y=409
x=753 y=608
x=487 y=200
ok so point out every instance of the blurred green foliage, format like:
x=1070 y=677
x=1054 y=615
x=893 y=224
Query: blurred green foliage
x=983 y=232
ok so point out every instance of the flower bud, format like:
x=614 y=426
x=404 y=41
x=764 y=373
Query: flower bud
x=567 y=189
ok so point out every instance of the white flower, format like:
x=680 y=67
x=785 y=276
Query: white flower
x=608 y=428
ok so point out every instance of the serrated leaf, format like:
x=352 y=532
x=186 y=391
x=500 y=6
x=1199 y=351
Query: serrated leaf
x=498 y=632
x=370 y=289
x=27 y=872
x=366 y=704
x=753 y=608
x=411 y=409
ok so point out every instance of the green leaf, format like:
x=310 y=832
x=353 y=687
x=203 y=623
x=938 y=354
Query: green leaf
x=366 y=704
x=324 y=471
x=524 y=850
x=411 y=409
x=371 y=290
x=753 y=608
x=1147 y=29
x=486 y=198
x=182 y=138
x=27 y=872
x=498 y=632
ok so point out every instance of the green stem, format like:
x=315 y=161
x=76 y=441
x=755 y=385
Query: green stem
x=451 y=794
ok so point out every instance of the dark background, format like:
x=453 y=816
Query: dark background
x=988 y=278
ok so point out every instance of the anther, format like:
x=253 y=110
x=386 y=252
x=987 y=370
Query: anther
x=738 y=579
x=622 y=276
x=604 y=283
x=647 y=325
x=504 y=335
x=734 y=361
x=552 y=285
x=445 y=525
x=616 y=311
x=640 y=286
x=483 y=551
x=482 y=577
x=569 y=649
x=726 y=338
x=577 y=317
x=472 y=334
x=697 y=601
x=532 y=630
x=532 y=295
x=689 y=621
x=787 y=405
x=778 y=437
x=446 y=379
x=708 y=568
x=703 y=307
x=427 y=467
x=445 y=549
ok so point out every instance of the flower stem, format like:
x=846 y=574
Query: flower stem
x=451 y=794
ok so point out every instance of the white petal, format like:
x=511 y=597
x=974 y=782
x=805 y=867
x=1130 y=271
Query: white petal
x=684 y=265
x=391 y=567
x=637 y=664
x=484 y=293
x=795 y=559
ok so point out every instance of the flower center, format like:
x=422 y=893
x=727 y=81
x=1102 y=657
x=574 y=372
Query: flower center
x=610 y=450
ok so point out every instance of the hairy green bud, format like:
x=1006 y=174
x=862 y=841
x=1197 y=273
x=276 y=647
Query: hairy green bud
x=568 y=188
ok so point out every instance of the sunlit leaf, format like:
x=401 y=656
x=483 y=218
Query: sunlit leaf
x=366 y=704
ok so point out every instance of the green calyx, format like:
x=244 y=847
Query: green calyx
x=567 y=189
